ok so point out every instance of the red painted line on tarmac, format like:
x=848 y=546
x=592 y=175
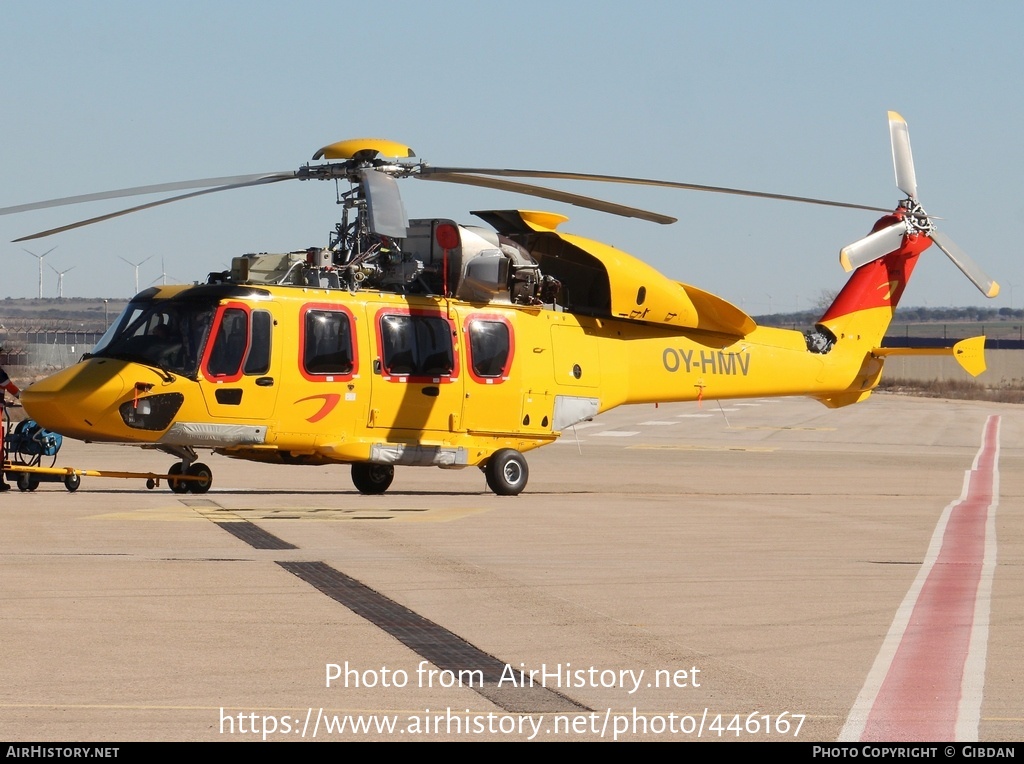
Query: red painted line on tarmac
x=919 y=698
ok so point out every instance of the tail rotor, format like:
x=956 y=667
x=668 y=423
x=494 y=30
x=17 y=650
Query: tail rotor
x=911 y=220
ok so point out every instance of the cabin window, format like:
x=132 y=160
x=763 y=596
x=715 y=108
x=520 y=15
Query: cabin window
x=229 y=344
x=415 y=345
x=490 y=348
x=258 y=360
x=327 y=348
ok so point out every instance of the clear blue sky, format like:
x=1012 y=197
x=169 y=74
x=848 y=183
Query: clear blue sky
x=787 y=97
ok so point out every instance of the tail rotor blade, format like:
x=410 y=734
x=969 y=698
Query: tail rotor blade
x=902 y=158
x=961 y=260
x=906 y=180
x=871 y=247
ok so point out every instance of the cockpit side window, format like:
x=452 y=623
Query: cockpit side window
x=168 y=334
x=230 y=343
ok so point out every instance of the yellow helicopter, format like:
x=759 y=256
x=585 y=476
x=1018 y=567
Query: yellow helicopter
x=430 y=343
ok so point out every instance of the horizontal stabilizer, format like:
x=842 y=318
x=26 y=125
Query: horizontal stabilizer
x=969 y=353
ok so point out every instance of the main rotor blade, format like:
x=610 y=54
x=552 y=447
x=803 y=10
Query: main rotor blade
x=902 y=158
x=546 y=193
x=261 y=180
x=426 y=172
x=961 y=260
x=871 y=247
x=159 y=188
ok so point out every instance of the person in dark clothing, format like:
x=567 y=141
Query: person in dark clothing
x=8 y=387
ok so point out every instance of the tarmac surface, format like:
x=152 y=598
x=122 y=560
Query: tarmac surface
x=669 y=573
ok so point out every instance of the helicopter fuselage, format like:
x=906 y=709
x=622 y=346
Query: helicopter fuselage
x=302 y=373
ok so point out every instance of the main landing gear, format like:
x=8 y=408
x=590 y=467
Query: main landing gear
x=507 y=472
x=372 y=479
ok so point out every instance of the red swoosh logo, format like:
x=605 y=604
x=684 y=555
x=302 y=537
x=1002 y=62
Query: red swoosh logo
x=330 y=401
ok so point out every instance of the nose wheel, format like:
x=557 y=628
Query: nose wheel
x=507 y=472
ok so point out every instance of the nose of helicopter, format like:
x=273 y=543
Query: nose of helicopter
x=74 y=401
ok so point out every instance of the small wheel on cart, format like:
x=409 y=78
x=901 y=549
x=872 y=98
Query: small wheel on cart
x=150 y=484
x=204 y=475
x=28 y=482
x=72 y=482
x=177 y=486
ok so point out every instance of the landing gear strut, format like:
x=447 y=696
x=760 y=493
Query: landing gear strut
x=177 y=486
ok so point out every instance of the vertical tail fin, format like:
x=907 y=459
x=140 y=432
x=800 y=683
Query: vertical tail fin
x=854 y=325
x=866 y=304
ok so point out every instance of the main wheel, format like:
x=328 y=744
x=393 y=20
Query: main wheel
x=177 y=486
x=205 y=475
x=507 y=472
x=372 y=478
x=72 y=482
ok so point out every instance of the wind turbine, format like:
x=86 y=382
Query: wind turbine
x=162 y=278
x=60 y=280
x=136 y=267
x=40 y=259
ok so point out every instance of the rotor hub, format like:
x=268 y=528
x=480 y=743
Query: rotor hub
x=915 y=218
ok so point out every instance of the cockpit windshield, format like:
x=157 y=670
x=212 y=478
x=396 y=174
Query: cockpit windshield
x=168 y=334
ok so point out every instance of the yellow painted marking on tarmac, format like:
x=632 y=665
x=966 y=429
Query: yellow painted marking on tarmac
x=157 y=514
x=804 y=429
x=702 y=448
x=333 y=514
x=442 y=515
x=305 y=514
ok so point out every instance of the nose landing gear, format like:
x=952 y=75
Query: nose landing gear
x=197 y=478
